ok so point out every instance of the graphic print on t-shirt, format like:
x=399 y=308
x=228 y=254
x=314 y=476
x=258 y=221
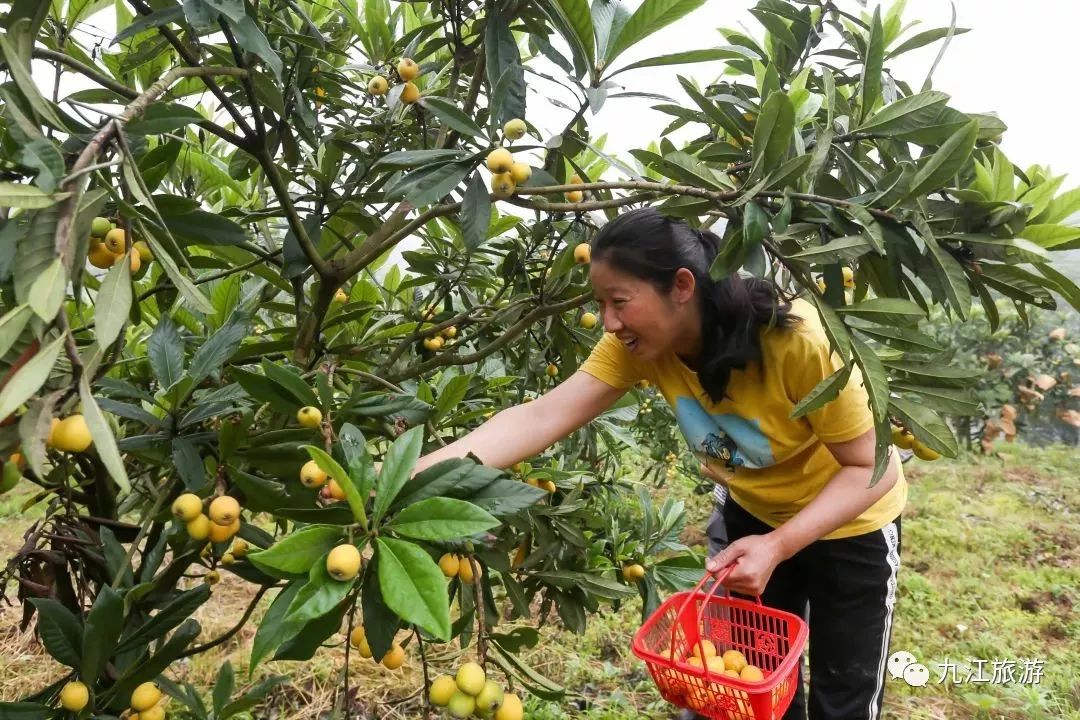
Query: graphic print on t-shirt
x=730 y=438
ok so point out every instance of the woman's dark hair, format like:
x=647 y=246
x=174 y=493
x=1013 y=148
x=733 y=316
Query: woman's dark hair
x=650 y=246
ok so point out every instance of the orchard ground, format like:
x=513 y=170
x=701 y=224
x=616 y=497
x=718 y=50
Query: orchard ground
x=991 y=571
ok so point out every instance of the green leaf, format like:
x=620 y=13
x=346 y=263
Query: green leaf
x=47 y=292
x=252 y=39
x=451 y=115
x=824 y=392
x=953 y=401
x=187 y=288
x=777 y=27
x=165 y=350
x=838 y=249
x=179 y=609
x=1017 y=284
x=396 y=470
x=475 y=213
x=429 y=184
x=413 y=586
x=11 y=326
x=29 y=378
x=924 y=38
x=454 y=477
x=156 y=19
x=772 y=134
x=885 y=310
x=950 y=273
x=218 y=348
x=870 y=81
x=874 y=377
x=103 y=625
x=199 y=227
x=318 y=596
x=113 y=303
x=223 y=687
x=938 y=170
x=536 y=683
x=1051 y=236
x=579 y=23
x=905 y=115
x=28 y=197
x=252 y=697
x=926 y=425
x=167 y=653
x=290 y=382
x=650 y=16
x=414 y=158
x=726 y=52
x=441 y=519
x=506 y=76
x=104 y=441
x=43 y=156
x=901 y=338
x=274 y=629
x=18 y=67
x=162 y=118
x=60 y=631
x=504 y=497
x=330 y=466
x=297 y=553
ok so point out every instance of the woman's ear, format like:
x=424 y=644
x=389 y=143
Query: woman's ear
x=682 y=290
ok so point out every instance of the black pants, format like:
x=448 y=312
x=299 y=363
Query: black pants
x=846 y=589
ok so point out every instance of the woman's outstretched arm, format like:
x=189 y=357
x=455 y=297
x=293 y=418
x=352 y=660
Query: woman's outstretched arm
x=523 y=430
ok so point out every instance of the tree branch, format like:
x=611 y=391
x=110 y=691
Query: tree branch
x=193 y=60
x=512 y=332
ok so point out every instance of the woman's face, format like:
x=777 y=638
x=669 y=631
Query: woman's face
x=648 y=322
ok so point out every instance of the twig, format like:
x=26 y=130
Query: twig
x=481 y=614
x=235 y=629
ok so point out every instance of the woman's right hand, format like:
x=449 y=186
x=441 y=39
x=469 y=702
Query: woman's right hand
x=714 y=475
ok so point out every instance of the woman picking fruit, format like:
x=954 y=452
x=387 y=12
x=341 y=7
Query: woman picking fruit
x=732 y=358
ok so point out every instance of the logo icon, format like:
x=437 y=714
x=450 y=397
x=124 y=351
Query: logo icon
x=903 y=664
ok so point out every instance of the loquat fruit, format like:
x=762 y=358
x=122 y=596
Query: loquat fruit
x=309 y=417
x=343 y=562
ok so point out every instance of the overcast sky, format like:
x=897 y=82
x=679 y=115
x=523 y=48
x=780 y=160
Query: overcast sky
x=1019 y=59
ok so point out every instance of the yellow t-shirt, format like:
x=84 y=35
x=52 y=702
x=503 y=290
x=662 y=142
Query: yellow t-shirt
x=775 y=464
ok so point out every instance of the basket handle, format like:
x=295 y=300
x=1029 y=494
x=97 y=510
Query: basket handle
x=719 y=576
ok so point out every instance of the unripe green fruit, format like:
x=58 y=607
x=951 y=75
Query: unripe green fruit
x=491 y=697
x=100 y=227
x=461 y=705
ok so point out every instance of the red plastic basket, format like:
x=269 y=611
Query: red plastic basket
x=771 y=639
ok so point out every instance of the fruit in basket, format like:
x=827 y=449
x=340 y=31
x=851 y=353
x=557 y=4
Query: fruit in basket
x=734 y=660
x=752 y=673
x=715 y=665
x=705 y=650
x=732 y=673
x=694 y=661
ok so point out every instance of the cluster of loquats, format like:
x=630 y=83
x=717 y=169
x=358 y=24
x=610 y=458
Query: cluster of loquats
x=460 y=567
x=145 y=701
x=849 y=280
x=108 y=244
x=506 y=173
x=470 y=693
x=634 y=572
x=407 y=71
x=906 y=440
x=392 y=660
x=220 y=523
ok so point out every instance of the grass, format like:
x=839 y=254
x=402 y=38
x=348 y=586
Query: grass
x=990 y=571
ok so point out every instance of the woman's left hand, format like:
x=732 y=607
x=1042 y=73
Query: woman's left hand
x=758 y=556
